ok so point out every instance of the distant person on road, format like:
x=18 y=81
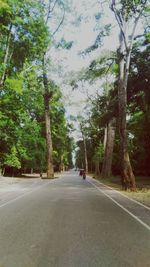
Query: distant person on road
x=81 y=172
x=84 y=174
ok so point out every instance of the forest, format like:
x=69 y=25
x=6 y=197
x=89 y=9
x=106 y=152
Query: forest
x=35 y=132
x=32 y=113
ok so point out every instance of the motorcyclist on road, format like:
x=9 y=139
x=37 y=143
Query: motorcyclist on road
x=84 y=174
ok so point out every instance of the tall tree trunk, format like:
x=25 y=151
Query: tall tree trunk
x=105 y=137
x=107 y=162
x=47 y=96
x=84 y=148
x=127 y=176
x=135 y=11
x=6 y=57
x=85 y=153
x=97 y=170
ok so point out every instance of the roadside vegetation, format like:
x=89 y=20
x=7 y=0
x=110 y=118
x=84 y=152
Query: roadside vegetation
x=116 y=124
x=34 y=132
x=142 y=193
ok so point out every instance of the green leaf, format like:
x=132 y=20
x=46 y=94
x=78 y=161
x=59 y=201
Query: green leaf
x=15 y=84
x=12 y=159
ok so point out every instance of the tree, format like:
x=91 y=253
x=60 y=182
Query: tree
x=22 y=124
x=107 y=161
x=62 y=142
x=83 y=132
x=26 y=36
x=103 y=69
x=139 y=103
x=85 y=147
x=23 y=36
x=127 y=14
x=49 y=7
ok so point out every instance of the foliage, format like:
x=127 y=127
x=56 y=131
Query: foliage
x=99 y=153
x=62 y=142
x=24 y=39
x=12 y=159
x=22 y=126
x=139 y=103
x=24 y=22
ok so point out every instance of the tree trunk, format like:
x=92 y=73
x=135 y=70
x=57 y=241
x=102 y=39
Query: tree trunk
x=3 y=171
x=50 y=169
x=82 y=165
x=47 y=96
x=126 y=44
x=97 y=170
x=6 y=57
x=107 y=162
x=85 y=153
x=127 y=176
x=105 y=137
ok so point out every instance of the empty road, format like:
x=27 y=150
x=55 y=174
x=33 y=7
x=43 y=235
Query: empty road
x=68 y=222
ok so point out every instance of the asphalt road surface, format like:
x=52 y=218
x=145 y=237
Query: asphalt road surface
x=68 y=222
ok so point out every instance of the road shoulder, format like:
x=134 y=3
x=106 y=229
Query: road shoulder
x=136 y=209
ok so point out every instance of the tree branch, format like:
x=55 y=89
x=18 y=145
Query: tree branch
x=49 y=11
x=120 y=23
x=6 y=57
x=131 y=42
x=54 y=5
x=60 y=21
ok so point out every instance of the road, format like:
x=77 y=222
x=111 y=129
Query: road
x=68 y=222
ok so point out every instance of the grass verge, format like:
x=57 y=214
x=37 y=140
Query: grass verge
x=142 y=193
